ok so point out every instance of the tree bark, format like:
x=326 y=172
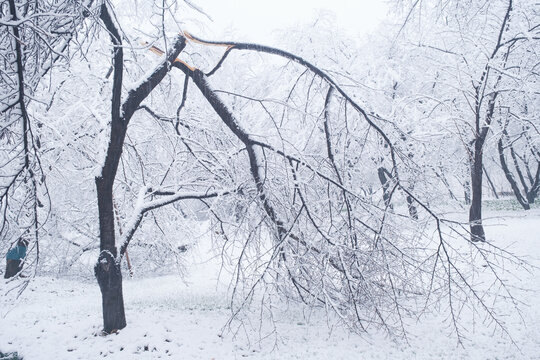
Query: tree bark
x=477 y=166
x=385 y=182
x=491 y=185
x=475 y=211
x=107 y=269
x=413 y=211
x=524 y=203
x=467 y=192
x=109 y=277
x=481 y=132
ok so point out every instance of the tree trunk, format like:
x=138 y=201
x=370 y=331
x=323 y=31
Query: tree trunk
x=491 y=185
x=109 y=277
x=531 y=197
x=523 y=202
x=385 y=182
x=467 y=192
x=413 y=211
x=107 y=269
x=13 y=267
x=475 y=212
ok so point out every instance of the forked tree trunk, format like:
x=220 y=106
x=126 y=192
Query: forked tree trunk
x=107 y=269
x=531 y=196
x=385 y=180
x=508 y=174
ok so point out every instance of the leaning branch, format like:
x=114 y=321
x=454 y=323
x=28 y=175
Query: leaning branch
x=200 y=80
x=143 y=207
x=274 y=51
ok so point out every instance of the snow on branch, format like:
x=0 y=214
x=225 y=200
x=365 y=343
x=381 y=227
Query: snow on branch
x=149 y=81
x=316 y=70
x=121 y=112
x=142 y=207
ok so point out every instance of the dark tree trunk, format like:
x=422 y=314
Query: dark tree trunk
x=467 y=192
x=531 y=196
x=477 y=165
x=109 y=277
x=475 y=212
x=384 y=178
x=482 y=127
x=385 y=182
x=13 y=267
x=107 y=269
x=524 y=203
x=491 y=185
x=413 y=212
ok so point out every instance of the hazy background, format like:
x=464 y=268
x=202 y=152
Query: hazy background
x=259 y=20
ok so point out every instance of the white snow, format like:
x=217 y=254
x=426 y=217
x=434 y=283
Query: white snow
x=172 y=318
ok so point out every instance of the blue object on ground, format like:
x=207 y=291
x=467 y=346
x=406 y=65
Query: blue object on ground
x=16 y=253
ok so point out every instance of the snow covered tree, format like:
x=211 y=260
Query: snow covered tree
x=282 y=149
x=482 y=57
x=34 y=36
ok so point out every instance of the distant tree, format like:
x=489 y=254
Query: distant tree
x=483 y=53
x=522 y=168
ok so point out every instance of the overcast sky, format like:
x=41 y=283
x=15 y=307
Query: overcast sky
x=257 y=19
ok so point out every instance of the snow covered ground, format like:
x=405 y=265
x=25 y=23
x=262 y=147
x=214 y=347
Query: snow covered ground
x=184 y=319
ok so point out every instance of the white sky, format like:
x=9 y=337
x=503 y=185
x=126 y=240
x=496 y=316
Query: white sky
x=257 y=19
